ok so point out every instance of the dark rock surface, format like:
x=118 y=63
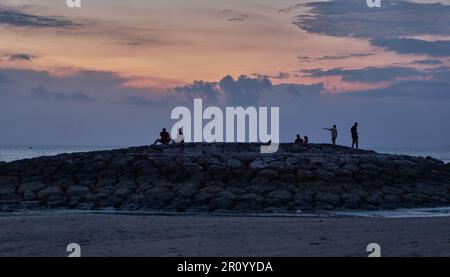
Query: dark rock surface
x=225 y=178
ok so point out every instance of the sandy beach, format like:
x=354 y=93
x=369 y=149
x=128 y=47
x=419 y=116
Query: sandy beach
x=47 y=234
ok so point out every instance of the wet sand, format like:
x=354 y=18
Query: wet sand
x=150 y=235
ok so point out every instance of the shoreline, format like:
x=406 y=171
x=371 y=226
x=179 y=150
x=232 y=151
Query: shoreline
x=388 y=214
x=112 y=235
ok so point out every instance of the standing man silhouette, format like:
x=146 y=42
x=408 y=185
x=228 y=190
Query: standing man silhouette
x=355 y=137
x=334 y=134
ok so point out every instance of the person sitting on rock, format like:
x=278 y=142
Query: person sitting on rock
x=180 y=137
x=298 y=140
x=355 y=137
x=164 y=137
x=334 y=134
x=305 y=140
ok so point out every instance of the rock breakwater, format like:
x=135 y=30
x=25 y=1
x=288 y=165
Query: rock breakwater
x=222 y=177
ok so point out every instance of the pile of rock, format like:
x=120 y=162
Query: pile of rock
x=225 y=178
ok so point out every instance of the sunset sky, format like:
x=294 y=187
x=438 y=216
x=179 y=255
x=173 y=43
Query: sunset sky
x=109 y=73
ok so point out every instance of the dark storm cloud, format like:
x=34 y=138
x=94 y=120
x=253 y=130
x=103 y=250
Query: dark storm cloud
x=427 y=62
x=442 y=68
x=334 y=57
x=366 y=75
x=98 y=83
x=15 y=18
x=435 y=87
x=249 y=91
x=440 y=48
x=395 y=18
x=233 y=16
x=141 y=42
x=238 y=18
x=305 y=59
x=244 y=90
x=82 y=86
x=280 y=75
x=208 y=91
x=343 y=57
x=19 y=57
x=43 y=93
x=429 y=84
x=411 y=89
x=441 y=73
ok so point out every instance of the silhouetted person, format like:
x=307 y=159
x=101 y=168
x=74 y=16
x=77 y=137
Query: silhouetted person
x=334 y=134
x=305 y=140
x=164 y=137
x=180 y=137
x=298 y=140
x=354 y=131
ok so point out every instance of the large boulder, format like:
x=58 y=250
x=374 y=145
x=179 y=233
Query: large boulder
x=328 y=198
x=9 y=182
x=31 y=186
x=280 y=194
x=77 y=190
x=45 y=193
x=219 y=203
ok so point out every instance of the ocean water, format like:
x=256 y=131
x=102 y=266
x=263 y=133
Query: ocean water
x=400 y=213
x=441 y=153
x=11 y=153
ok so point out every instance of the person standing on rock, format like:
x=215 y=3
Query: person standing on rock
x=355 y=137
x=298 y=140
x=164 y=137
x=334 y=134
